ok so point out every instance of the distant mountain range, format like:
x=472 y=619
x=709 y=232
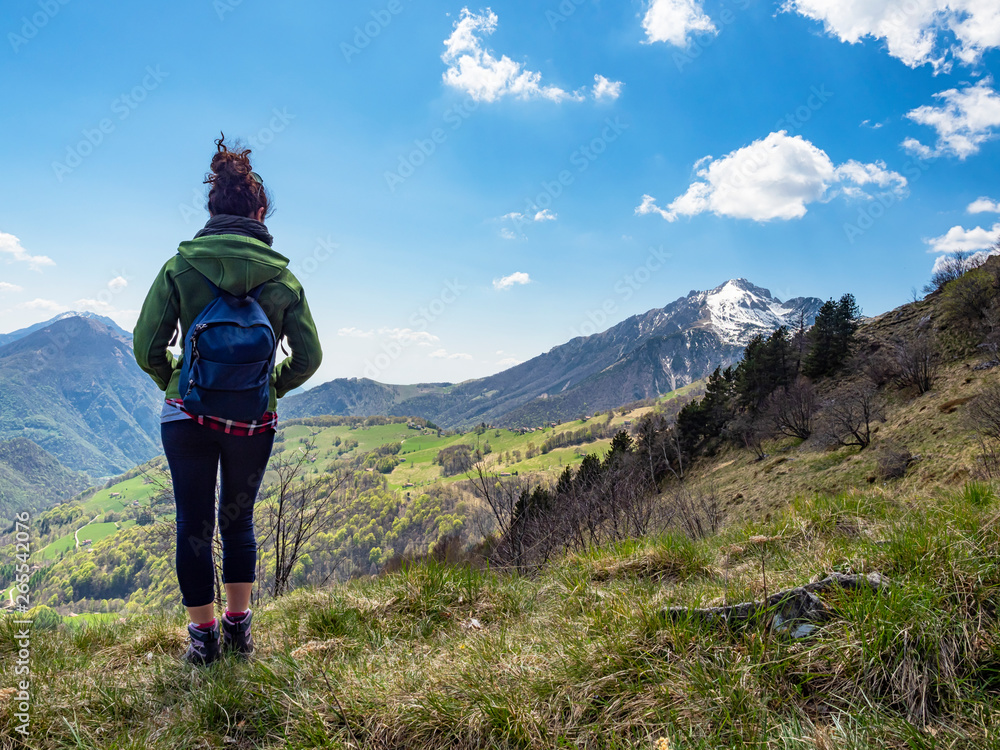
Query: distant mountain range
x=73 y=388
x=7 y=338
x=642 y=357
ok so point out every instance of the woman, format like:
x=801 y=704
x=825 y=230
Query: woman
x=234 y=253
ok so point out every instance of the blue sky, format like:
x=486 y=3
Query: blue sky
x=464 y=187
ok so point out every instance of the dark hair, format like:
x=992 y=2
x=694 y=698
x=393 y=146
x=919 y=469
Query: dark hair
x=234 y=187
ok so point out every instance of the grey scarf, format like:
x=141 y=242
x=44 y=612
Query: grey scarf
x=229 y=224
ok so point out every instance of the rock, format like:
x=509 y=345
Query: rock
x=792 y=608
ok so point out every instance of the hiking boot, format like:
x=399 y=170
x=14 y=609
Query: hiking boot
x=204 y=647
x=237 y=638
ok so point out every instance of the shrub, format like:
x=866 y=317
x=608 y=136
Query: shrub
x=916 y=362
x=750 y=432
x=851 y=414
x=792 y=410
x=879 y=366
x=44 y=618
x=965 y=301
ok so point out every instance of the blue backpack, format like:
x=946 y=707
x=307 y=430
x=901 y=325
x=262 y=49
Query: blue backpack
x=229 y=356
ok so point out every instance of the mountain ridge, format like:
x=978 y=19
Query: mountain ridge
x=8 y=338
x=74 y=389
x=643 y=356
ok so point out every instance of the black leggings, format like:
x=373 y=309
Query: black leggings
x=194 y=453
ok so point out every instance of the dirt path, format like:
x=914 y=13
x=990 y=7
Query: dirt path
x=76 y=534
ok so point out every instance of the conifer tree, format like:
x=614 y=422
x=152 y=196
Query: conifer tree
x=831 y=337
x=767 y=364
x=621 y=445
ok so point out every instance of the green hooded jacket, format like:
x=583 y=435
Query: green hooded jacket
x=236 y=264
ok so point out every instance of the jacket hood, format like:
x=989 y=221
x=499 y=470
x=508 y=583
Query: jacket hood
x=233 y=262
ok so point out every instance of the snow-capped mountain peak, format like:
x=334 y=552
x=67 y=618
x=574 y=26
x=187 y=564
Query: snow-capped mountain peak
x=738 y=311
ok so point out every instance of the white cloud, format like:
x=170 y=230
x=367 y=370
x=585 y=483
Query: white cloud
x=404 y=336
x=965 y=120
x=916 y=147
x=472 y=68
x=125 y=318
x=648 y=206
x=355 y=333
x=408 y=336
x=773 y=178
x=508 y=362
x=544 y=215
x=95 y=306
x=854 y=175
x=6 y=286
x=674 y=21
x=443 y=354
x=960 y=239
x=11 y=246
x=506 y=282
x=47 y=305
x=984 y=206
x=519 y=219
x=917 y=32
x=605 y=89
x=102 y=307
x=117 y=283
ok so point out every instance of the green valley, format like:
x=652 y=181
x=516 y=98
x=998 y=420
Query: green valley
x=403 y=498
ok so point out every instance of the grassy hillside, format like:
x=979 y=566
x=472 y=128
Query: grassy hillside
x=583 y=655
x=33 y=479
x=932 y=427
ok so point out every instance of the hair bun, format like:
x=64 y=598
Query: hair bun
x=233 y=190
x=234 y=163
